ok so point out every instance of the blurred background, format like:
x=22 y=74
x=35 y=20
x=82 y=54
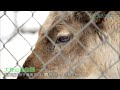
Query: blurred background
x=18 y=35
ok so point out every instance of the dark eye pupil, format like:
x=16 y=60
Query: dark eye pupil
x=63 y=39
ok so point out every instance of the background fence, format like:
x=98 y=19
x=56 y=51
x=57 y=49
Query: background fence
x=18 y=35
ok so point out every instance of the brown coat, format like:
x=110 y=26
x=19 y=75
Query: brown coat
x=84 y=53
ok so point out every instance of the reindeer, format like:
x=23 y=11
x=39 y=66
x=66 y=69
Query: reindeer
x=77 y=45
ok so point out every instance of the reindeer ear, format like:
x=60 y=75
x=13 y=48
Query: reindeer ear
x=84 y=17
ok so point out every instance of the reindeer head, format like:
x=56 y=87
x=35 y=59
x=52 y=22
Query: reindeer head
x=77 y=44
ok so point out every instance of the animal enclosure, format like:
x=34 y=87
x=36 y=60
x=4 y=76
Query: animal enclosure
x=60 y=44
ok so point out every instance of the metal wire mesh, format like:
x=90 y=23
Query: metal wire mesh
x=19 y=31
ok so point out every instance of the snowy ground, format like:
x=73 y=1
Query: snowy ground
x=18 y=49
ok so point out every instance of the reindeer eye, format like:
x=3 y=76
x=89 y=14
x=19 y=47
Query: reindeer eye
x=63 y=39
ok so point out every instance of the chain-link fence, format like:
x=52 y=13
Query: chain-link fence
x=75 y=44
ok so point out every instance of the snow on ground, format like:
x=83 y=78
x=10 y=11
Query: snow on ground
x=19 y=47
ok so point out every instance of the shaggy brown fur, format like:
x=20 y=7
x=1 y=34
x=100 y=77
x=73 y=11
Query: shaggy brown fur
x=95 y=58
